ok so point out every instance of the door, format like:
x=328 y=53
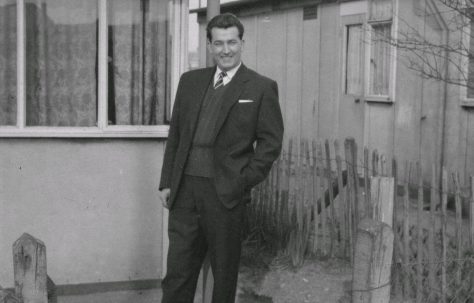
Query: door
x=351 y=104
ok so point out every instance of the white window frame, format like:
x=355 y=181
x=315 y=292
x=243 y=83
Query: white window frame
x=390 y=98
x=178 y=10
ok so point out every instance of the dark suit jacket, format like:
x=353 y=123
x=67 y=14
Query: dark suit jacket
x=238 y=164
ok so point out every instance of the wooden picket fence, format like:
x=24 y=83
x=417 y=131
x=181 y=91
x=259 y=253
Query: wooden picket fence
x=317 y=193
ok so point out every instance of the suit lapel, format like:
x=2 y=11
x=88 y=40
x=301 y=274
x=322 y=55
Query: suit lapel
x=231 y=95
x=202 y=83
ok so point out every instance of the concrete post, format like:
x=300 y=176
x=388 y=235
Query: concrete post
x=29 y=257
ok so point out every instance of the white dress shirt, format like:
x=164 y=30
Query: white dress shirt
x=230 y=74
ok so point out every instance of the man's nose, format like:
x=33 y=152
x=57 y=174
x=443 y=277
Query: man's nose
x=226 y=49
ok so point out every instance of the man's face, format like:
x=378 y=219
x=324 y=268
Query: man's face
x=226 y=47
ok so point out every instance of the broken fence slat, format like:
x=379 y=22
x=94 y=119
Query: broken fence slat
x=444 y=238
x=419 y=235
x=406 y=238
x=332 y=216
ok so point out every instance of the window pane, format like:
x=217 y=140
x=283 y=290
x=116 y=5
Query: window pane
x=380 y=60
x=470 y=75
x=138 y=62
x=354 y=60
x=61 y=62
x=8 y=62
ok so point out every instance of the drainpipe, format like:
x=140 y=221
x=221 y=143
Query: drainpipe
x=213 y=9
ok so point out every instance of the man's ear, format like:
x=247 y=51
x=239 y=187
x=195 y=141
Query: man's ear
x=208 y=44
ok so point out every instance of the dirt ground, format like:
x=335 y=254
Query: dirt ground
x=264 y=278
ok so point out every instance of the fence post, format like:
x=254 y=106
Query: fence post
x=419 y=237
x=332 y=217
x=350 y=195
x=381 y=195
x=431 y=234
x=444 y=227
x=395 y=190
x=372 y=262
x=458 y=206
x=29 y=258
x=396 y=227
x=375 y=162
x=342 y=199
x=317 y=195
x=406 y=237
x=322 y=203
x=374 y=246
x=366 y=181
x=357 y=204
x=471 y=216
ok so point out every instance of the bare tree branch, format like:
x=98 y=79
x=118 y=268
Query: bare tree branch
x=428 y=56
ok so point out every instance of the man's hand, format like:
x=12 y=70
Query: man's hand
x=165 y=197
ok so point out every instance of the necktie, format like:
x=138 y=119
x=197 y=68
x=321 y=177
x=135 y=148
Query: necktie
x=220 y=80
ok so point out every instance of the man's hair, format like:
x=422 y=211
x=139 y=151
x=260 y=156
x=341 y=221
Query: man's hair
x=224 y=21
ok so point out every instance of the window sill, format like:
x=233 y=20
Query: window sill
x=378 y=99
x=160 y=131
x=467 y=103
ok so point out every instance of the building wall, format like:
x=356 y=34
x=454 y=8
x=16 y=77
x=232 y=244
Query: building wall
x=459 y=128
x=306 y=58
x=93 y=202
x=283 y=46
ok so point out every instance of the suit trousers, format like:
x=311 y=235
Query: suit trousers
x=200 y=223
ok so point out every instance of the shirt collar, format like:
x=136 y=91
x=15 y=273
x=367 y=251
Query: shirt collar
x=230 y=73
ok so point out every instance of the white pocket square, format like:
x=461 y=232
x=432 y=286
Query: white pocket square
x=245 y=101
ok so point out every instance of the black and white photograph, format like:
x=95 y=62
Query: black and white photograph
x=236 y=151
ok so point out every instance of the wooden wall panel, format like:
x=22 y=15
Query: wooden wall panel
x=329 y=71
x=408 y=98
x=283 y=47
x=310 y=80
x=379 y=130
x=469 y=155
x=271 y=53
x=465 y=154
x=432 y=104
x=453 y=132
x=292 y=87
x=249 y=54
x=351 y=105
x=271 y=46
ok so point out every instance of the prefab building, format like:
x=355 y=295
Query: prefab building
x=85 y=97
x=86 y=89
x=340 y=75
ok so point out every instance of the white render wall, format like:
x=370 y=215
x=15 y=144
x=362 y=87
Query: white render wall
x=93 y=202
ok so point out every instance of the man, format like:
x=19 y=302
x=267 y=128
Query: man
x=225 y=132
